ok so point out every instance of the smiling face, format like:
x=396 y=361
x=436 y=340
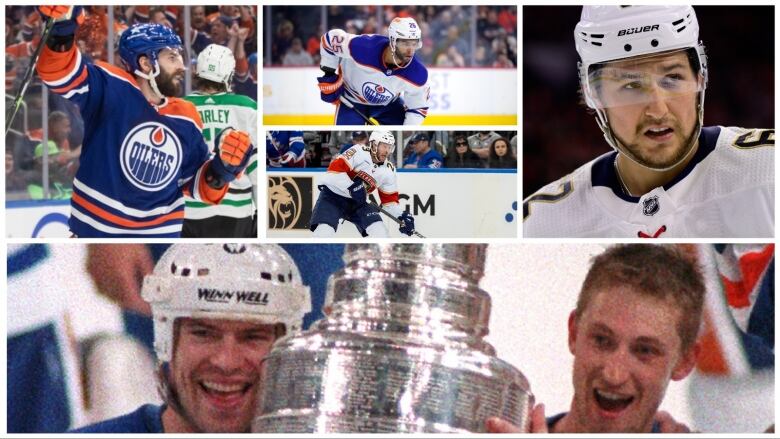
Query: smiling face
x=651 y=106
x=626 y=348
x=215 y=373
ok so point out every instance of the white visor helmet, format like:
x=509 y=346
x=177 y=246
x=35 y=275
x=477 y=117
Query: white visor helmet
x=216 y=63
x=248 y=282
x=404 y=29
x=615 y=34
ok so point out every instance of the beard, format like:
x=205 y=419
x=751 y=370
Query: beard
x=169 y=84
x=652 y=161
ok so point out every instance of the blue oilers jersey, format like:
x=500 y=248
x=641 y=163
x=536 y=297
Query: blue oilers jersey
x=279 y=143
x=368 y=80
x=136 y=159
x=147 y=419
x=431 y=159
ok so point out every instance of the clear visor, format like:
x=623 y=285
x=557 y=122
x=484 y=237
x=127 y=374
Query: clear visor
x=405 y=45
x=174 y=56
x=390 y=147
x=643 y=80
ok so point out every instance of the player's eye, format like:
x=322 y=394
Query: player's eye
x=671 y=81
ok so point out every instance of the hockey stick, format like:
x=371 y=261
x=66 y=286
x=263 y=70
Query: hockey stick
x=390 y=215
x=28 y=74
x=349 y=105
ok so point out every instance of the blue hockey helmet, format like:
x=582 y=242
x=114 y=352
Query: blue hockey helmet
x=146 y=39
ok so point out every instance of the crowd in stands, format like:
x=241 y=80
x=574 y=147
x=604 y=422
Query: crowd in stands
x=447 y=32
x=422 y=149
x=232 y=26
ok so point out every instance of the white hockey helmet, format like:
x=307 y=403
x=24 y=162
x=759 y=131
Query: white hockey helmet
x=248 y=282
x=614 y=33
x=216 y=63
x=404 y=28
x=377 y=137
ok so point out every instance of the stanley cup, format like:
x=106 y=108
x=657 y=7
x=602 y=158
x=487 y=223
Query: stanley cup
x=401 y=349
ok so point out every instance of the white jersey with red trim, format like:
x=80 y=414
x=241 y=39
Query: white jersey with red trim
x=368 y=80
x=357 y=160
x=726 y=191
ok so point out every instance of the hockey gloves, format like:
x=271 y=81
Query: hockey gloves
x=357 y=190
x=331 y=86
x=66 y=19
x=288 y=157
x=407 y=224
x=234 y=152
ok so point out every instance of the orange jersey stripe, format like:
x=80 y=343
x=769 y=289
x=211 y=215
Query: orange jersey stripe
x=53 y=66
x=95 y=210
x=77 y=82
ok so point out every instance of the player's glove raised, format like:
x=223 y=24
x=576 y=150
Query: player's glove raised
x=357 y=190
x=66 y=19
x=331 y=86
x=234 y=152
x=407 y=224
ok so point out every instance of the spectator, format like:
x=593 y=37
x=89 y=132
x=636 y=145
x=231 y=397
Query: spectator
x=198 y=19
x=157 y=16
x=285 y=32
x=501 y=155
x=423 y=156
x=358 y=138
x=481 y=141
x=459 y=155
x=296 y=56
x=219 y=29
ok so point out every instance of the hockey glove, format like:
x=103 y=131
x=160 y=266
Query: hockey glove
x=331 y=86
x=66 y=19
x=407 y=224
x=358 y=191
x=234 y=152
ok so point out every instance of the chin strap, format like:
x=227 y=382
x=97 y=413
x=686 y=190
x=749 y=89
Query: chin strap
x=392 y=53
x=152 y=81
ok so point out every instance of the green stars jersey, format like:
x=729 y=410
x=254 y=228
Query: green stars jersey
x=220 y=111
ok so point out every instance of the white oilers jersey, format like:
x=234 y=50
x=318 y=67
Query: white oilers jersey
x=220 y=111
x=368 y=80
x=357 y=161
x=726 y=191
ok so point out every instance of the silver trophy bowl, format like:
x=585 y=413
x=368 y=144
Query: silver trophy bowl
x=401 y=349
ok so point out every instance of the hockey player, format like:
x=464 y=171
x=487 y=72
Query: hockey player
x=380 y=76
x=350 y=178
x=285 y=149
x=219 y=109
x=644 y=73
x=211 y=333
x=143 y=148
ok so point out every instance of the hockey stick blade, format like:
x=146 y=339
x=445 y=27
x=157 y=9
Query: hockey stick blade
x=351 y=106
x=390 y=215
x=28 y=75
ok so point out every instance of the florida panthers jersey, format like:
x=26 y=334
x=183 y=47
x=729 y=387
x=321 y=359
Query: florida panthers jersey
x=136 y=158
x=368 y=80
x=345 y=167
x=218 y=112
x=726 y=191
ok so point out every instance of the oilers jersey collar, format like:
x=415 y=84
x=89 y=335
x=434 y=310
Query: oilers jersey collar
x=369 y=52
x=603 y=170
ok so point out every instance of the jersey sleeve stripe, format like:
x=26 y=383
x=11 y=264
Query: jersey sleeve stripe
x=386 y=198
x=171 y=230
x=79 y=80
x=59 y=68
x=340 y=164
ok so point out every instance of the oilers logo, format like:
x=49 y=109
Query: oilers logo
x=151 y=156
x=376 y=94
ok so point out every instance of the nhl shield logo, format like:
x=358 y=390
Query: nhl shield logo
x=651 y=205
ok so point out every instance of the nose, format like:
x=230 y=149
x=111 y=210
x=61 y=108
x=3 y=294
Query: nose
x=615 y=370
x=228 y=356
x=657 y=106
